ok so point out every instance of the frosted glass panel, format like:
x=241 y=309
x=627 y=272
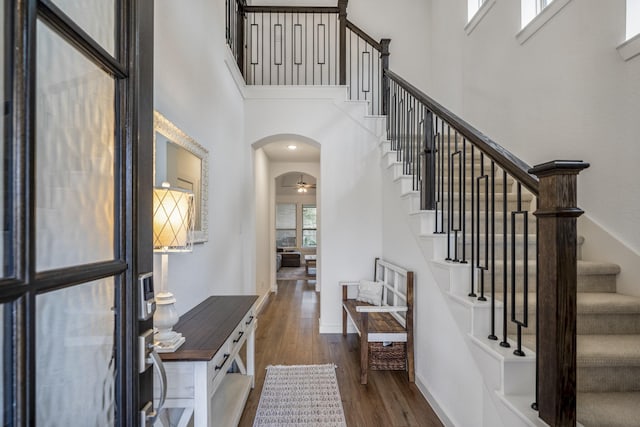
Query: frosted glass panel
x=75 y=371
x=2 y=177
x=95 y=17
x=75 y=157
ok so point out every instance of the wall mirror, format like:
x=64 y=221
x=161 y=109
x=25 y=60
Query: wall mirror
x=183 y=163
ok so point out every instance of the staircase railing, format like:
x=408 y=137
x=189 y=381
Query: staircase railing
x=303 y=45
x=515 y=227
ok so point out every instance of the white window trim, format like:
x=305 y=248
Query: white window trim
x=477 y=17
x=630 y=48
x=542 y=18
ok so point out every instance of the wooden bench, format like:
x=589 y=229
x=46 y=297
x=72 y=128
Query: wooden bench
x=386 y=331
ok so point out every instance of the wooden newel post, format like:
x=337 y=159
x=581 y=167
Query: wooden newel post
x=557 y=287
x=384 y=57
x=342 y=17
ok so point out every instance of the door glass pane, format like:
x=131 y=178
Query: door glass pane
x=75 y=370
x=95 y=17
x=3 y=141
x=75 y=156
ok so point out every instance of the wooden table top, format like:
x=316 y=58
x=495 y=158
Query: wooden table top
x=207 y=326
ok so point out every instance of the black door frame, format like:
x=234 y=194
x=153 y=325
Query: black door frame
x=132 y=68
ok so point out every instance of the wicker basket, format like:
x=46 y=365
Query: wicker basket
x=391 y=357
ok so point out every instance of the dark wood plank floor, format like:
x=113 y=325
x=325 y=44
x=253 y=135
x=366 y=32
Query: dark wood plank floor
x=287 y=334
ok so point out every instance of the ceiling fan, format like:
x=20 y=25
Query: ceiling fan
x=301 y=185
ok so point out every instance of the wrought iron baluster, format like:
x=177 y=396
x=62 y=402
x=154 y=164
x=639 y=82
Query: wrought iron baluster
x=474 y=203
x=492 y=335
x=505 y=265
x=525 y=272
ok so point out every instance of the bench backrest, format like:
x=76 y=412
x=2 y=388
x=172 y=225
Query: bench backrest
x=397 y=289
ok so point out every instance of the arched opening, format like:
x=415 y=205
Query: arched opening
x=287 y=200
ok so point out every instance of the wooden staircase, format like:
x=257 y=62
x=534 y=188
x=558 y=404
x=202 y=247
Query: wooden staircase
x=608 y=340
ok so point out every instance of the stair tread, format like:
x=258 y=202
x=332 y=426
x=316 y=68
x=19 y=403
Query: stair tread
x=614 y=409
x=597 y=267
x=589 y=302
x=608 y=350
x=584 y=268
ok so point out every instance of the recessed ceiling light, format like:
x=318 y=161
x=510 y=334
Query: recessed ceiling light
x=292 y=147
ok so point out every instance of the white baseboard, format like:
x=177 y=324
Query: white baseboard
x=444 y=418
x=330 y=328
x=262 y=301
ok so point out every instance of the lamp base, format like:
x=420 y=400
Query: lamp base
x=169 y=345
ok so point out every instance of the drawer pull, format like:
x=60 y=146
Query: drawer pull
x=239 y=336
x=226 y=357
x=249 y=321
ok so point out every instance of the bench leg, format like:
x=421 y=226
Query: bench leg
x=344 y=322
x=410 y=362
x=364 y=348
x=344 y=312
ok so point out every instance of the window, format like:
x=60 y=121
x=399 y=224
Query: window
x=535 y=14
x=631 y=46
x=285 y=225
x=476 y=11
x=474 y=6
x=531 y=9
x=309 y=226
x=633 y=18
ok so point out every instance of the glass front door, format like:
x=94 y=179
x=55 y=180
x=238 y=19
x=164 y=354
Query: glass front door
x=76 y=210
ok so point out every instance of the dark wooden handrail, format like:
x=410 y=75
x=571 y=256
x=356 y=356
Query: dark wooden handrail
x=291 y=9
x=366 y=37
x=509 y=162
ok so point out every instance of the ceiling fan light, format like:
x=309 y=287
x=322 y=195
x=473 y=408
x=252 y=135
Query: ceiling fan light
x=292 y=147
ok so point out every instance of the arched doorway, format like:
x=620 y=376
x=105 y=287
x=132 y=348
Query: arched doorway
x=286 y=172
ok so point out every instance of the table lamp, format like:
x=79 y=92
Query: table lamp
x=173 y=214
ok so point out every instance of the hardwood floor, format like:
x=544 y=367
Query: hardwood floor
x=287 y=334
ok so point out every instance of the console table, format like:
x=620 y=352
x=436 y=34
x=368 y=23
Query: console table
x=198 y=374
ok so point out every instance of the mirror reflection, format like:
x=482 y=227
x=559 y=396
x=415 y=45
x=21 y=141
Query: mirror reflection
x=183 y=163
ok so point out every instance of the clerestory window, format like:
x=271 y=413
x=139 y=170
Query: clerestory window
x=633 y=18
x=531 y=9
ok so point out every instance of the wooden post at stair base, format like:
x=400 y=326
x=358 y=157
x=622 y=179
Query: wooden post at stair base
x=384 y=57
x=557 y=215
x=342 y=17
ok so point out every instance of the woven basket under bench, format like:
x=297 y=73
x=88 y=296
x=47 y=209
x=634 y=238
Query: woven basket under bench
x=391 y=357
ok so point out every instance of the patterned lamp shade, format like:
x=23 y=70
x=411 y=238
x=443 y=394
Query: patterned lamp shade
x=173 y=215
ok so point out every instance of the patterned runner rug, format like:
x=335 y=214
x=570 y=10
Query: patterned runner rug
x=300 y=395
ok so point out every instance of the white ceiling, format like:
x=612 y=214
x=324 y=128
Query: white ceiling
x=278 y=152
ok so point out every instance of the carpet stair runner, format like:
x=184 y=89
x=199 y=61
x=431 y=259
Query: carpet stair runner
x=608 y=353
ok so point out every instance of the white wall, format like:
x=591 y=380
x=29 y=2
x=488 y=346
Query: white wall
x=563 y=94
x=194 y=90
x=405 y=23
x=263 y=187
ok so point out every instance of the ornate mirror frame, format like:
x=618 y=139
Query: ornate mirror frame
x=170 y=131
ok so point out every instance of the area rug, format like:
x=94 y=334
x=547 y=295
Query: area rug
x=300 y=395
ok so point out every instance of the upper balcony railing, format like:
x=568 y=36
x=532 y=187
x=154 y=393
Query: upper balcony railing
x=513 y=226
x=298 y=45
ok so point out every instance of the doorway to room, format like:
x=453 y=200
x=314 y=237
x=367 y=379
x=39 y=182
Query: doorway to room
x=296 y=226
